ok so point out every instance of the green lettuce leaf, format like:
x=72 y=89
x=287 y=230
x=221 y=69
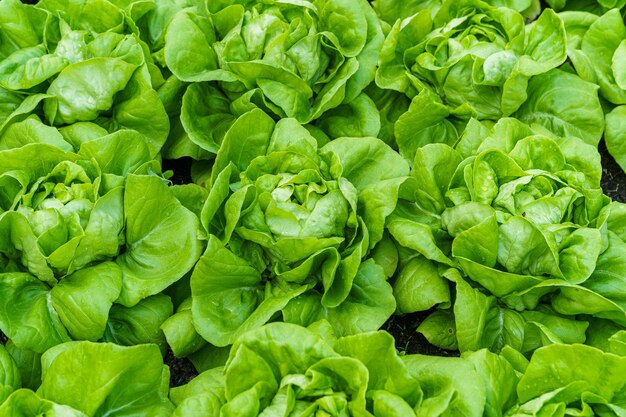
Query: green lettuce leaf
x=114 y=390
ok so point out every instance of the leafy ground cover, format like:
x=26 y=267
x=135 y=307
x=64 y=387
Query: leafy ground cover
x=402 y=328
x=329 y=208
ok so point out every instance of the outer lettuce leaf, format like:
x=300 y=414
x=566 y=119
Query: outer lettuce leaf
x=114 y=390
x=564 y=117
x=225 y=308
x=139 y=324
x=23 y=34
x=10 y=378
x=79 y=100
x=445 y=390
x=84 y=298
x=23 y=403
x=190 y=63
x=120 y=153
x=85 y=15
x=203 y=394
x=206 y=115
x=28 y=363
x=139 y=108
x=425 y=119
x=614 y=135
x=495 y=326
x=32 y=130
x=78 y=306
x=600 y=297
x=150 y=265
x=499 y=378
x=32 y=323
x=20 y=248
x=182 y=337
x=391 y=10
x=29 y=67
x=419 y=287
x=367 y=306
x=578 y=377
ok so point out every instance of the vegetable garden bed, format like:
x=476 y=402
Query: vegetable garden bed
x=312 y=208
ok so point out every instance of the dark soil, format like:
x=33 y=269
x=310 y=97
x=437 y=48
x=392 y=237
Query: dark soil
x=408 y=341
x=181 y=169
x=181 y=369
x=613 y=178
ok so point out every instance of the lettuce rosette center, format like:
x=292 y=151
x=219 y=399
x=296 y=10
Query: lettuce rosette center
x=59 y=206
x=297 y=199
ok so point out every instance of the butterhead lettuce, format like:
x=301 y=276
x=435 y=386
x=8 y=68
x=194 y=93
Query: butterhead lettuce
x=291 y=225
x=74 y=238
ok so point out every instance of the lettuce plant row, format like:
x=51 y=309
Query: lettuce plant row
x=351 y=161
